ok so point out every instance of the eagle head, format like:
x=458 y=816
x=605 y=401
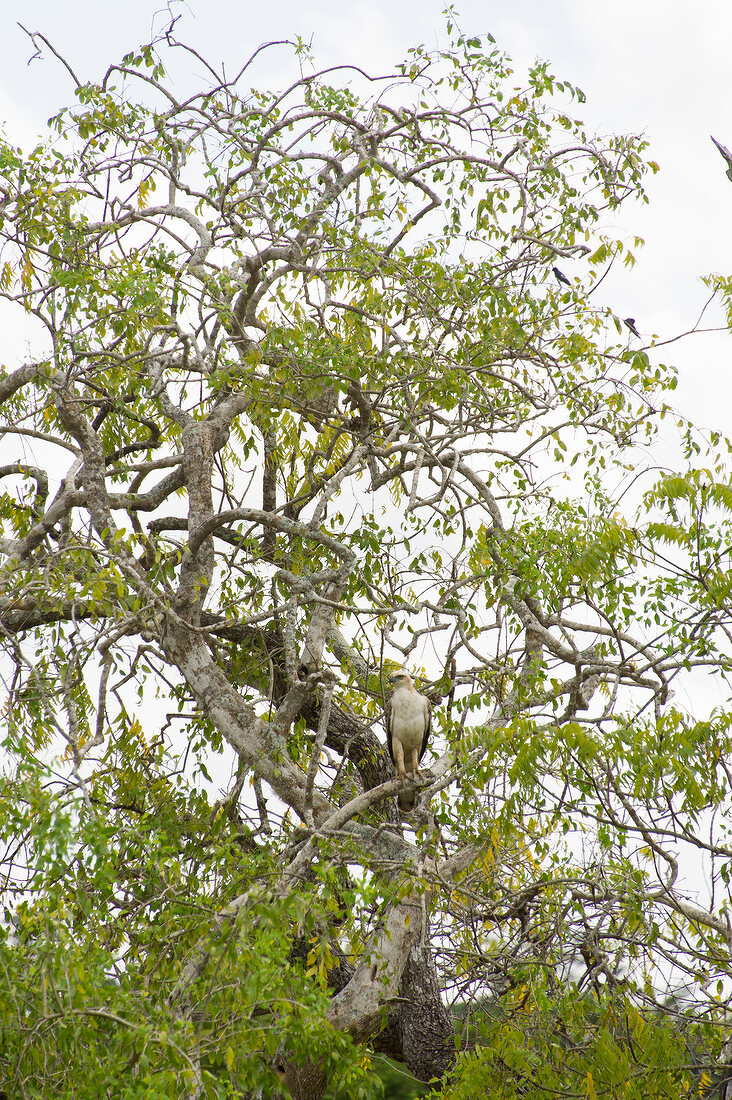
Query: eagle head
x=400 y=675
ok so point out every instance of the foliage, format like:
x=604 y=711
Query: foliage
x=306 y=403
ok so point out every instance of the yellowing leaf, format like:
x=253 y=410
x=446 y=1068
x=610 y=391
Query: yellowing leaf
x=144 y=190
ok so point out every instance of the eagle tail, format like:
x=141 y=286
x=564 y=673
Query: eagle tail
x=407 y=801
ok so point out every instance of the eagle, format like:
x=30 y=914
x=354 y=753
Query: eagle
x=407 y=723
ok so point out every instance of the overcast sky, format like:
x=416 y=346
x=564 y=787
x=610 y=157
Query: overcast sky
x=653 y=66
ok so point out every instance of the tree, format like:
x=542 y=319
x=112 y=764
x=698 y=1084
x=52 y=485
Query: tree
x=307 y=404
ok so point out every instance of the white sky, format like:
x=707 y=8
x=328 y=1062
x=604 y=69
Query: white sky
x=654 y=66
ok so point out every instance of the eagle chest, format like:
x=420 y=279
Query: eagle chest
x=408 y=719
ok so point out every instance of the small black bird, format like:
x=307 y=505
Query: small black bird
x=727 y=156
x=630 y=322
x=561 y=277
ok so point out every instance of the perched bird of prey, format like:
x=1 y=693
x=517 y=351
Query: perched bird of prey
x=560 y=276
x=630 y=322
x=407 y=721
x=727 y=156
